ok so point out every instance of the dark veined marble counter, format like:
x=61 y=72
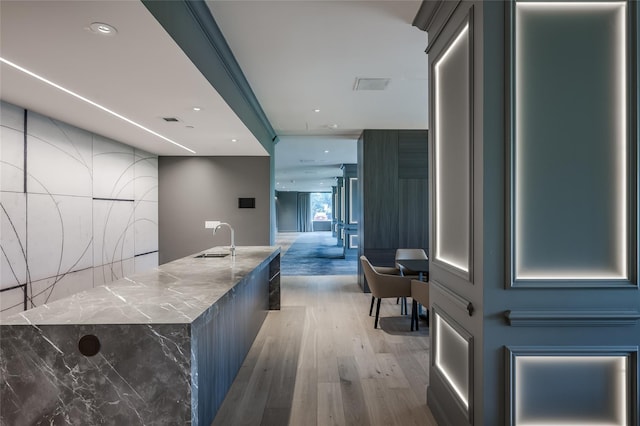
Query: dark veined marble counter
x=160 y=347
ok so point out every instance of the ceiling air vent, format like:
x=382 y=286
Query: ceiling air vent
x=170 y=119
x=371 y=83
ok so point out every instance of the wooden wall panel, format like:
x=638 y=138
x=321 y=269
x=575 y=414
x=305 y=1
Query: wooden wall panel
x=413 y=223
x=380 y=188
x=393 y=174
x=412 y=154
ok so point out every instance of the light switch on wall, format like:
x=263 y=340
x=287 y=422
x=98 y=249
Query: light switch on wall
x=211 y=224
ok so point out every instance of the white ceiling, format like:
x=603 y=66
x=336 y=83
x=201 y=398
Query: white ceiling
x=140 y=73
x=311 y=163
x=304 y=55
x=298 y=55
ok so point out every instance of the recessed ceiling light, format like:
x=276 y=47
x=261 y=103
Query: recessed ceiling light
x=90 y=102
x=332 y=126
x=101 y=28
x=316 y=110
x=197 y=108
x=326 y=151
x=234 y=140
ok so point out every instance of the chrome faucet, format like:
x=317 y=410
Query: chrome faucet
x=233 y=239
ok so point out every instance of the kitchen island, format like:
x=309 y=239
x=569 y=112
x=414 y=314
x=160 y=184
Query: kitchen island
x=160 y=347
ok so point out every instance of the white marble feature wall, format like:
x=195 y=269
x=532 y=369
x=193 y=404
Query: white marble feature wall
x=77 y=210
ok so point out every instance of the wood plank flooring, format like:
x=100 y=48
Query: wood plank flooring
x=319 y=361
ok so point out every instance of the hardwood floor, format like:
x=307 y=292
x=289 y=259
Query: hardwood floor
x=319 y=361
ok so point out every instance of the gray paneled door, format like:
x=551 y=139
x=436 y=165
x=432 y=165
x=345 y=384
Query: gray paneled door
x=535 y=304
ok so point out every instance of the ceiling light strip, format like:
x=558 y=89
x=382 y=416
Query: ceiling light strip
x=82 y=98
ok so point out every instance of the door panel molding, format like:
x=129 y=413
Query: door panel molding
x=459 y=301
x=453 y=359
x=452 y=71
x=572 y=198
x=571 y=385
x=571 y=318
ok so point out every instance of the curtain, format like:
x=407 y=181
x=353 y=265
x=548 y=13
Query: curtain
x=304 y=212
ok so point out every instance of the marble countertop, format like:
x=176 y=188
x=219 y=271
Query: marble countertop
x=174 y=293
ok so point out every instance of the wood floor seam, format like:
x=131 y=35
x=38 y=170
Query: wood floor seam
x=319 y=361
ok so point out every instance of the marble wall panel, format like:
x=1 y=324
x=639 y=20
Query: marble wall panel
x=146 y=176
x=146 y=262
x=63 y=232
x=109 y=272
x=59 y=235
x=113 y=169
x=13 y=230
x=11 y=148
x=58 y=157
x=146 y=227
x=113 y=231
x=11 y=302
x=50 y=289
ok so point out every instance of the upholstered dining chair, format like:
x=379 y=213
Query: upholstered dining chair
x=419 y=294
x=383 y=285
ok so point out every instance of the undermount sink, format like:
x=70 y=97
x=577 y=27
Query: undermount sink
x=212 y=255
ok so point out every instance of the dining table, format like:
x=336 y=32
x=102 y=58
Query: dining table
x=421 y=266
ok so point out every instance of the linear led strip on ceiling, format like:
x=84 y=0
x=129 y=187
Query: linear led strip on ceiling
x=461 y=264
x=621 y=140
x=90 y=102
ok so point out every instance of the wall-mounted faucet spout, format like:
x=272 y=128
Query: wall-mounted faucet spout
x=233 y=238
